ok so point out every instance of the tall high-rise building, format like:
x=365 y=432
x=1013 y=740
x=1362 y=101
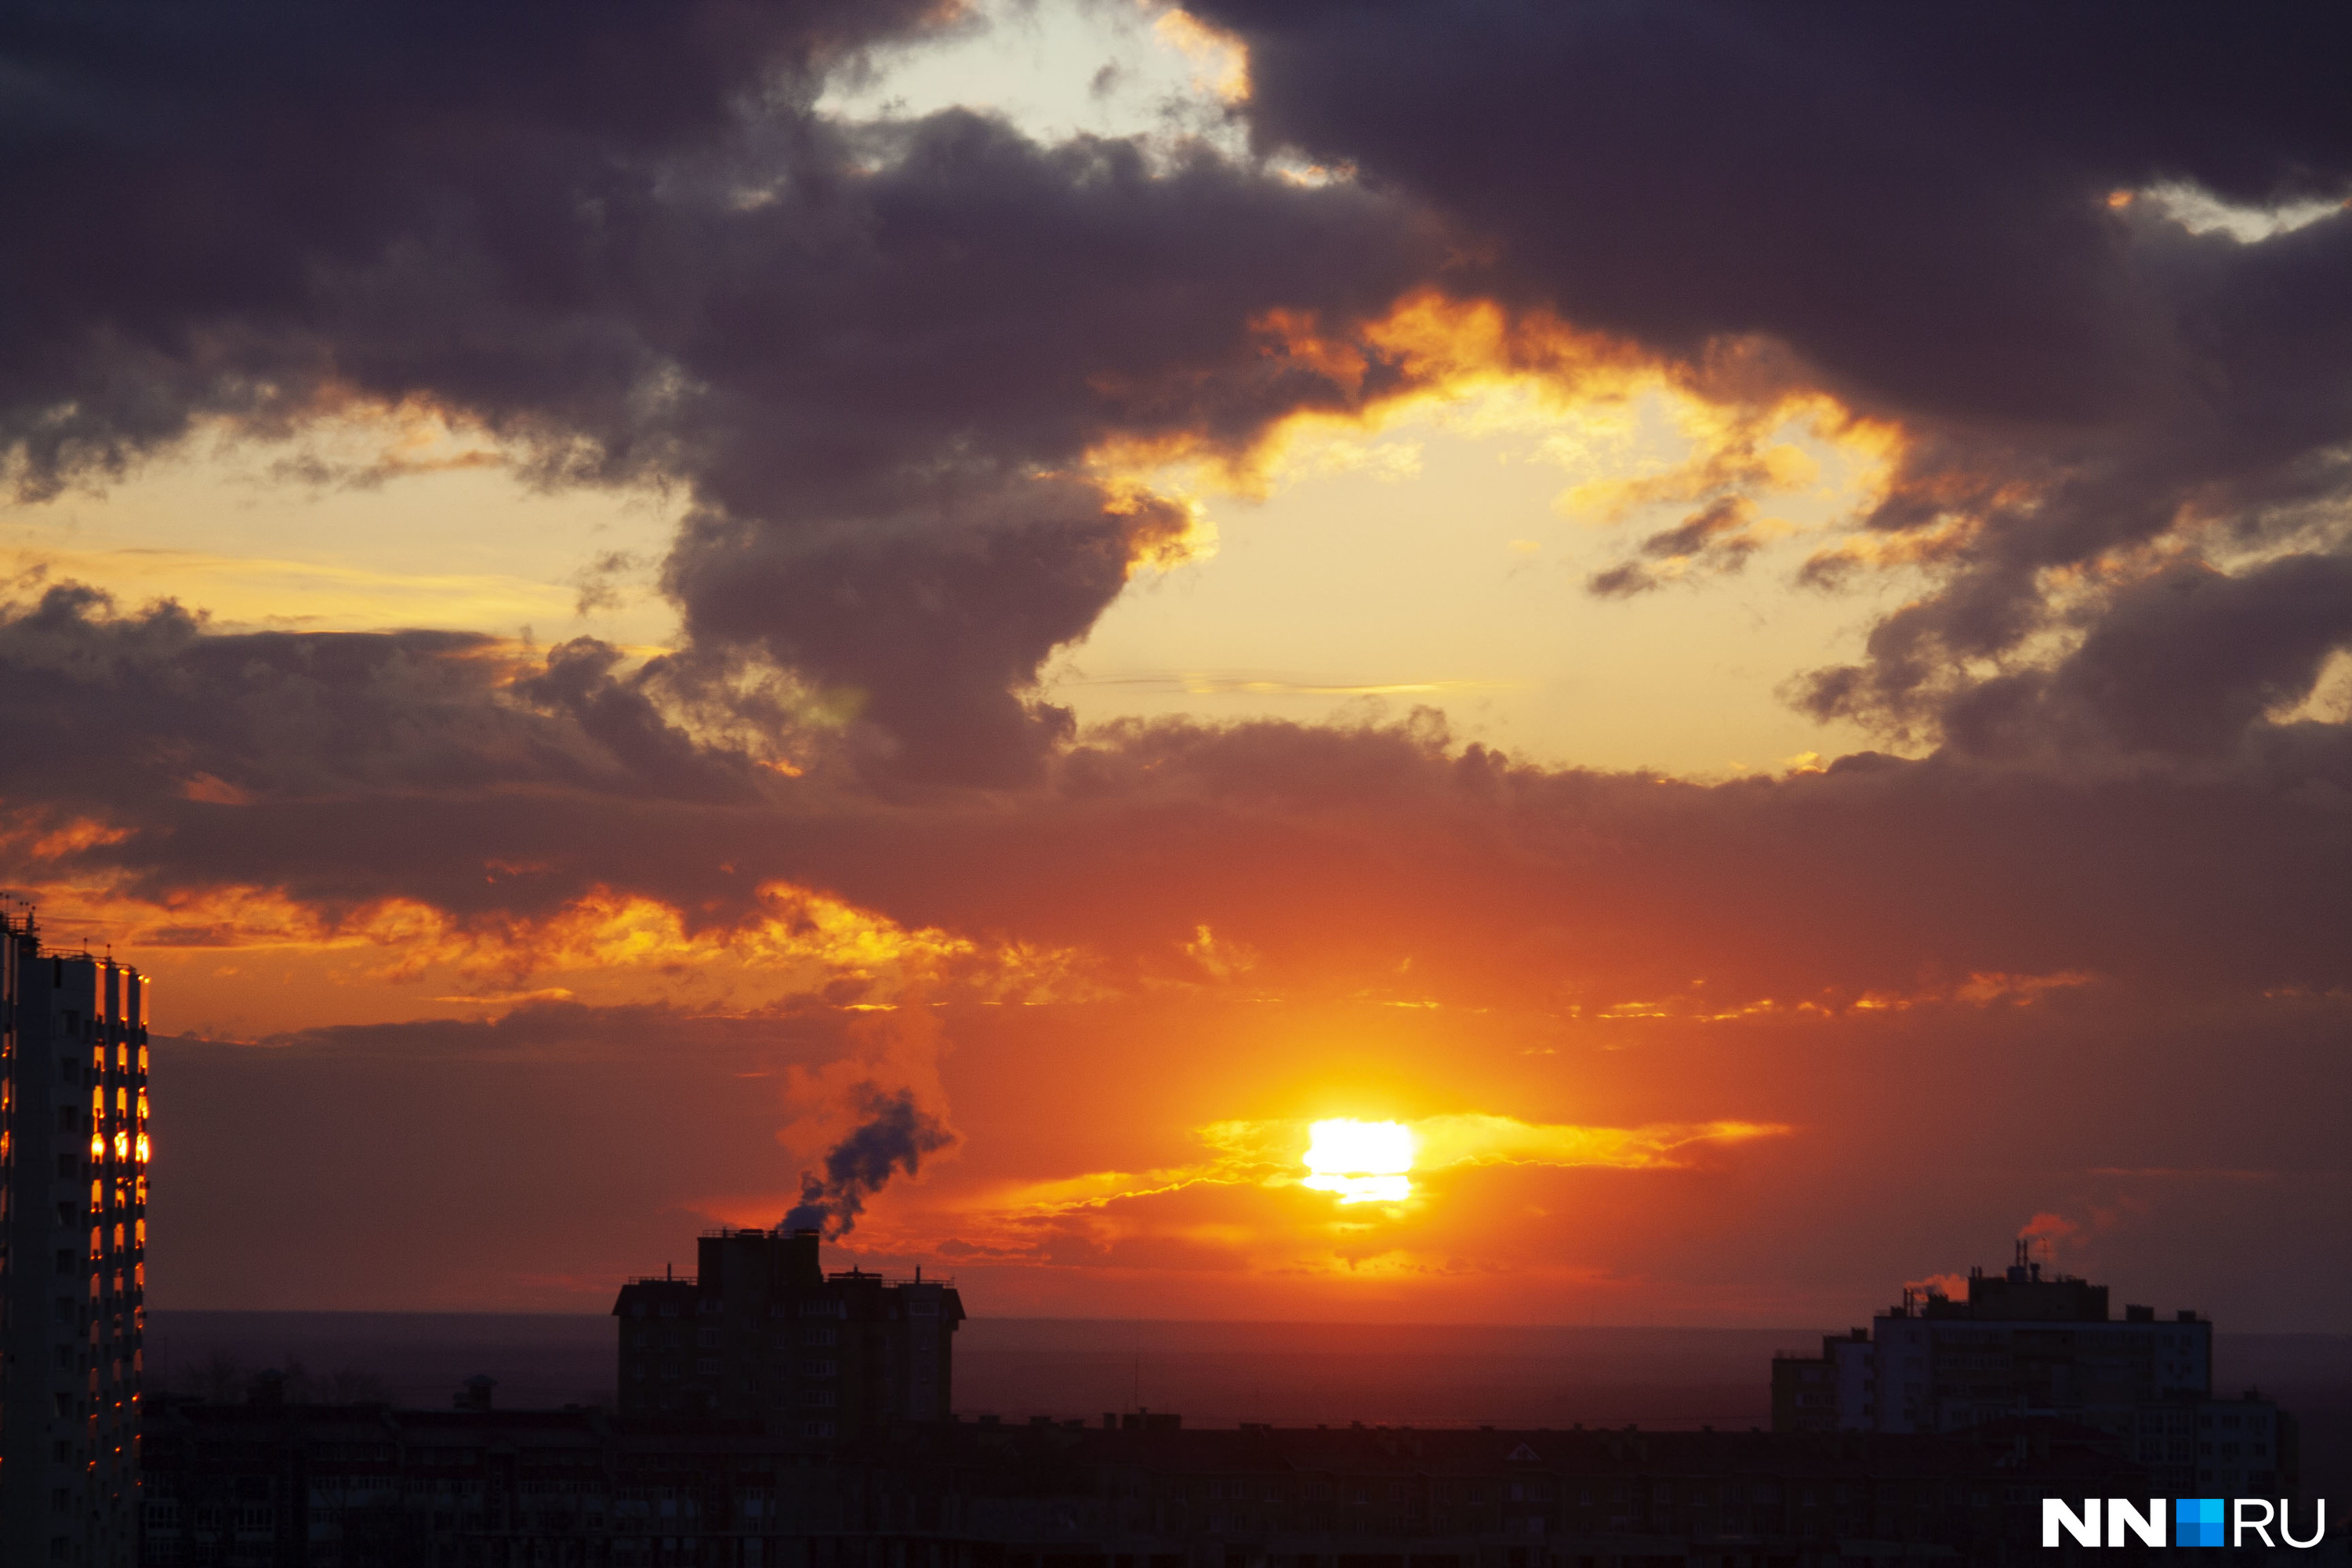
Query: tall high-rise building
x=73 y=1227
x=2022 y=1346
x=762 y=1331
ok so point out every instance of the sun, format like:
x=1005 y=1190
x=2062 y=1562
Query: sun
x=1363 y=1161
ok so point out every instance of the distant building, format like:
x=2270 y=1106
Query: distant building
x=763 y=1333
x=2022 y=1347
x=73 y=1273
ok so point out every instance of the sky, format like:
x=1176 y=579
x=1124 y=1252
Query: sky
x=1505 y=662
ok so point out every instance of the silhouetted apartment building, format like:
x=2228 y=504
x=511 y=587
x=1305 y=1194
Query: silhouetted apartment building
x=2020 y=1345
x=73 y=1194
x=761 y=1332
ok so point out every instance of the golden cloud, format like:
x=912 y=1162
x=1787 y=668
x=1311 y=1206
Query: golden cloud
x=1270 y=1153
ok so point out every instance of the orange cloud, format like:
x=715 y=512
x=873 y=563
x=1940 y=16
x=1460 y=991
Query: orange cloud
x=1271 y=1154
x=604 y=946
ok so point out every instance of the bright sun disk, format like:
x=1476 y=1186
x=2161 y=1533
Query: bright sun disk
x=1363 y=1161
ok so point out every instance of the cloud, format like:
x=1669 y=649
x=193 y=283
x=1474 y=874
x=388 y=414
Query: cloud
x=918 y=387
x=1720 y=538
x=1270 y=1154
x=884 y=363
x=873 y=357
x=2088 y=392
x=442 y=799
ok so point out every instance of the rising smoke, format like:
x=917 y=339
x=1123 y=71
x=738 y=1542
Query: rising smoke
x=894 y=1135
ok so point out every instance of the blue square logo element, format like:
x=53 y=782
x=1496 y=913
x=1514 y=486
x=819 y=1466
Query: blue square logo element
x=2196 y=1521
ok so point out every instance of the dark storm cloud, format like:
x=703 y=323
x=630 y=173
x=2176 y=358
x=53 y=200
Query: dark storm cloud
x=344 y=769
x=1915 y=200
x=874 y=354
x=291 y=716
x=1912 y=199
x=2187 y=663
x=618 y=238
x=1392 y=863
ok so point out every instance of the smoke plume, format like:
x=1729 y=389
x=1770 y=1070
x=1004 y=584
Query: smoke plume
x=894 y=1135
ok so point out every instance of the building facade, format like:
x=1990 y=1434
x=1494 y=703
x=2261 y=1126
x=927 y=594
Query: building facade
x=763 y=1333
x=73 y=1162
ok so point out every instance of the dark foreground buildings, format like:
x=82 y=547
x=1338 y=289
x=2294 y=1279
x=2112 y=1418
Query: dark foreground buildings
x=73 y=1238
x=773 y=1416
x=368 y=1487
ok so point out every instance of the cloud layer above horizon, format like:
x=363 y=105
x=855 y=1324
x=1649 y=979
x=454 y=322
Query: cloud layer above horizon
x=929 y=394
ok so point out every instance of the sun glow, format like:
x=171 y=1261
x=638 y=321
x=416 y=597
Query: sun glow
x=1363 y=1161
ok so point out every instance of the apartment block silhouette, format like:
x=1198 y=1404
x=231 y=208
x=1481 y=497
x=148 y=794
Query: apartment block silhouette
x=2020 y=1346
x=73 y=1220
x=763 y=1332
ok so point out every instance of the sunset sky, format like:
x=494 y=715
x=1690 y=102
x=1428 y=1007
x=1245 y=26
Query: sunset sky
x=1732 y=624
